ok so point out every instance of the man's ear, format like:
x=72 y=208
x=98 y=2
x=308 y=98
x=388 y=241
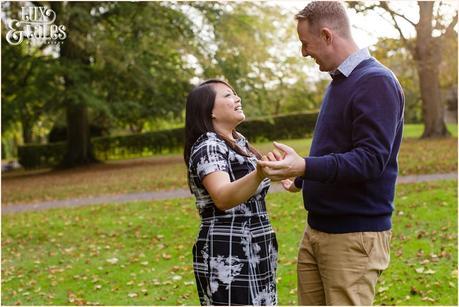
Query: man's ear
x=327 y=35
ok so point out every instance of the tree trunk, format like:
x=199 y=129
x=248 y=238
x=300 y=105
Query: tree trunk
x=277 y=103
x=79 y=148
x=26 y=132
x=428 y=57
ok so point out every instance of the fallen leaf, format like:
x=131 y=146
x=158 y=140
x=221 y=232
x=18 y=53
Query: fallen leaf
x=112 y=260
x=427 y=299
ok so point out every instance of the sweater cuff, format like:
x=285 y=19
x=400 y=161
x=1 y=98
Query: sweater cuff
x=298 y=182
x=320 y=168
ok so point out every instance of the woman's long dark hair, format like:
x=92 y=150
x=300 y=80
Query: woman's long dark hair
x=198 y=118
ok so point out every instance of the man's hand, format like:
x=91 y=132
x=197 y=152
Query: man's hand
x=289 y=185
x=292 y=165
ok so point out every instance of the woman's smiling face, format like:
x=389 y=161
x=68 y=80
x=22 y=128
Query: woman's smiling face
x=227 y=110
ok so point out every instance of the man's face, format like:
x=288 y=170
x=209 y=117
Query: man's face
x=313 y=45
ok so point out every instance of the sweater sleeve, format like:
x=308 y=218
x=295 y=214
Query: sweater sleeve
x=298 y=182
x=377 y=111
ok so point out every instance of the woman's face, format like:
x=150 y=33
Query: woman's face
x=227 y=109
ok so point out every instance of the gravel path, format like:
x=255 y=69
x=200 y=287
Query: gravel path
x=161 y=195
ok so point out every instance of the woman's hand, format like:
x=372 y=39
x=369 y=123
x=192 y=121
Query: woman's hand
x=291 y=164
x=261 y=174
x=289 y=185
x=271 y=156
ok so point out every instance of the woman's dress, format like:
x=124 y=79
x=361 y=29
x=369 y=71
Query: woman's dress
x=235 y=254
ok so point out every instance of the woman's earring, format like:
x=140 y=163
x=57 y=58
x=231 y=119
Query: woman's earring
x=213 y=116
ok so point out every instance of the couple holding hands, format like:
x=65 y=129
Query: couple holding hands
x=347 y=181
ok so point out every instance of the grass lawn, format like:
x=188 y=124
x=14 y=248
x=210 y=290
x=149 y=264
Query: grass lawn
x=415 y=130
x=140 y=253
x=169 y=172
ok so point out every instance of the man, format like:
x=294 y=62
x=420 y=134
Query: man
x=348 y=180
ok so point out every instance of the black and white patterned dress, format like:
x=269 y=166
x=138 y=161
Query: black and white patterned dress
x=235 y=255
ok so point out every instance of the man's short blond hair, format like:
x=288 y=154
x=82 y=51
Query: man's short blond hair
x=330 y=14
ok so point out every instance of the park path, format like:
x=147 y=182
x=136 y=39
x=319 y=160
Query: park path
x=162 y=195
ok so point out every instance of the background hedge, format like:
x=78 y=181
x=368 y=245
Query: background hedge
x=38 y=156
x=285 y=126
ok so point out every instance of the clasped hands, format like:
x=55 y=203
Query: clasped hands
x=282 y=164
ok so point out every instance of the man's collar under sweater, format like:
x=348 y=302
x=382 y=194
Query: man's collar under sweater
x=351 y=62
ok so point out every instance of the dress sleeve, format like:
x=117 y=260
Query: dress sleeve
x=209 y=156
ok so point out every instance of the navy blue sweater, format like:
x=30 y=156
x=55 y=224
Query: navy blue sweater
x=349 y=182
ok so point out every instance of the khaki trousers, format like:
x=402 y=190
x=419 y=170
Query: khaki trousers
x=341 y=269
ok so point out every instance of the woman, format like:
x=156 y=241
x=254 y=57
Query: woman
x=235 y=255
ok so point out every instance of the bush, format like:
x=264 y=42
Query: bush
x=297 y=125
x=41 y=156
x=135 y=145
x=287 y=126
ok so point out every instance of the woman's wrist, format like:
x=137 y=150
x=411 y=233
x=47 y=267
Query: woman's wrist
x=259 y=174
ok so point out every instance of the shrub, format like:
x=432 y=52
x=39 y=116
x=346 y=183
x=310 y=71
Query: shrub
x=41 y=156
x=288 y=126
x=135 y=145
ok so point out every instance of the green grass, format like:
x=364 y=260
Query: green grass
x=424 y=247
x=415 y=130
x=59 y=257
x=169 y=172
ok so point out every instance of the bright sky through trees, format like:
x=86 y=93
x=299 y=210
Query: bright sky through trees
x=368 y=28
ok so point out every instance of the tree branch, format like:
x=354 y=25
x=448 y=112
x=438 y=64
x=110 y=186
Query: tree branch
x=398 y=28
x=450 y=28
x=392 y=13
x=385 y=6
x=359 y=7
x=437 y=16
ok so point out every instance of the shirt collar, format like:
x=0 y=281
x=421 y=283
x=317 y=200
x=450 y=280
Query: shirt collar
x=351 y=62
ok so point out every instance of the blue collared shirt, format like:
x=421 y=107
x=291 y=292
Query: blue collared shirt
x=351 y=62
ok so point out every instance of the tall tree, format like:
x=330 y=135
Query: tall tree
x=122 y=60
x=151 y=80
x=431 y=33
x=252 y=44
x=27 y=74
x=73 y=56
